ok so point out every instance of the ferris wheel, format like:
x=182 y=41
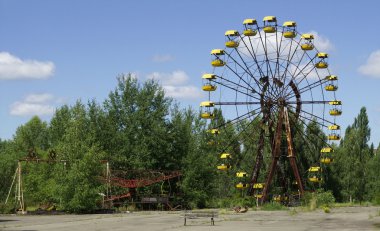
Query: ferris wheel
x=273 y=74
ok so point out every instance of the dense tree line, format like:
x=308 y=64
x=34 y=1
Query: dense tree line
x=138 y=127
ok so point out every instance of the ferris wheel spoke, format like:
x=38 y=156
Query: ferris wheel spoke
x=236 y=103
x=314 y=116
x=238 y=135
x=309 y=143
x=313 y=85
x=234 y=83
x=250 y=74
x=240 y=77
x=241 y=117
x=278 y=54
x=312 y=141
x=309 y=102
x=289 y=60
x=294 y=76
x=264 y=45
x=253 y=55
x=237 y=90
x=310 y=119
x=308 y=87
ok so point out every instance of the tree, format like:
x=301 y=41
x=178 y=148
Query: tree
x=79 y=187
x=138 y=116
x=32 y=135
x=353 y=155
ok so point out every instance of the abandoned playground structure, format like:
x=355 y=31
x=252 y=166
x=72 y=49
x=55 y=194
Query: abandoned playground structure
x=124 y=183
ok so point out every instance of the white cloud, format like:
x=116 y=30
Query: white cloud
x=12 y=67
x=321 y=42
x=35 y=104
x=183 y=92
x=162 y=58
x=39 y=98
x=176 y=84
x=175 y=78
x=372 y=66
x=26 y=109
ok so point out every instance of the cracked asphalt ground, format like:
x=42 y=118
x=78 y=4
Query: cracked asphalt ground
x=347 y=218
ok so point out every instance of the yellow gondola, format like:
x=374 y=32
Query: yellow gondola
x=321 y=65
x=315 y=179
x=209 y=76
x=326 y=160
x=314 y=174
x=207 y=115
x=270 y=23
x=331 y=77
x=217 y=52
x=207 y=104
x=333 y=137
x=225 y=156
x=334 y=127
x=322 y=55
x=232 y=44
x=214 y=131
x=231 y=35
x=241 y=174
x=314 y=169
x=242 y=186
x=308 y=45
x=331 y=87
x=217 y=63
x=259 y=196
x=322 y=60
x=258 y=185
x=335 y=112
x=224 y=167
x=209 y=87
x=289 y=29
x=327 y=150
x=277 y=198
x=248 y=25
x=335 y=102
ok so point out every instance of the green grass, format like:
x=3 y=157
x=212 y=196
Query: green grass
x=273 y=206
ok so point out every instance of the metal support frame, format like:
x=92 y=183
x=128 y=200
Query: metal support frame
x=283 y=119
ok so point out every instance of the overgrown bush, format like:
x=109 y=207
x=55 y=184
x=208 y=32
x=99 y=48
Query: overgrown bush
x=6 y=208
x=319 y=199
x=231 y=202
x=273 y=206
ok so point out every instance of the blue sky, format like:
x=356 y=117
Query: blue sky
x=55 y=52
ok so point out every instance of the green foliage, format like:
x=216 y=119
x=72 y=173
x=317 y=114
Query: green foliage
x=138 y=127
x=318 y=199
x=351 y=172
x=7 y=208
x=273 y=206
x=79 y=188
x=230 y=202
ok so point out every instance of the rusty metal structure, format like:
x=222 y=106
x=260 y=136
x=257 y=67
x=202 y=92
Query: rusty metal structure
x=277 y=82
x=134 y=179
x=127 y=180
x=31 y=157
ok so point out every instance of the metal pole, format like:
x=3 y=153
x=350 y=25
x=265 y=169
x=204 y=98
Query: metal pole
x=275 y=153
x=291 y=154
x=10 y=189
x=20 y=194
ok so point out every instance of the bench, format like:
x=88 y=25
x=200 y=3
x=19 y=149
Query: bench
x=190 y=214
